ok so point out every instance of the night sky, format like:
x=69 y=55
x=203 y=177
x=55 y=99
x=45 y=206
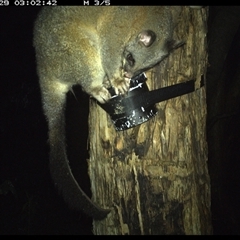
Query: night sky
x=29 y=203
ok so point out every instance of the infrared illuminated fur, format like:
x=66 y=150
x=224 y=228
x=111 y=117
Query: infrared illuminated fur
x=95 y=47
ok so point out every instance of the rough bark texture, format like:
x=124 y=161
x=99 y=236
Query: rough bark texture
x=154 y=177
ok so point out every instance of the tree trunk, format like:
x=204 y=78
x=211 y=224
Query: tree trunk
x=154 y=176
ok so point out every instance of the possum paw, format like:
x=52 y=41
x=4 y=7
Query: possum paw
x=121 y=86
x=101 y=94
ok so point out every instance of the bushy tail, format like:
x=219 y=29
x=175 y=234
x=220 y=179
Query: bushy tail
x=54 y=106
x=68 y=186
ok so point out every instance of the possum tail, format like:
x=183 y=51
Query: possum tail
x=54 y=106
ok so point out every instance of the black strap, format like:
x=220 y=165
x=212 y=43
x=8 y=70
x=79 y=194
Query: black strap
x=149 y=98
x=125 y=106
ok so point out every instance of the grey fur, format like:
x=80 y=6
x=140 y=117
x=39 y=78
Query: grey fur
x=94 y=47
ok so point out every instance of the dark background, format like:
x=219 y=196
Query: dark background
x=29 y=203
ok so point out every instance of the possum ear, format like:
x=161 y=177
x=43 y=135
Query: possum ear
x=146 y=37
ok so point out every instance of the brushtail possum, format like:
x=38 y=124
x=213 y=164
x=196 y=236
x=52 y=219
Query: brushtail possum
x=95 y=47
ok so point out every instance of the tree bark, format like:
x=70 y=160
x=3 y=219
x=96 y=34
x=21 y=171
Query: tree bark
x=154 y=176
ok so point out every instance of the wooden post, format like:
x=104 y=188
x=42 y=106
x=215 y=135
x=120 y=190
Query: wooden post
x=154 y=177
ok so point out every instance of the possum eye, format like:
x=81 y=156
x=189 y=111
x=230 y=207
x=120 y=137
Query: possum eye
x=130 y=59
